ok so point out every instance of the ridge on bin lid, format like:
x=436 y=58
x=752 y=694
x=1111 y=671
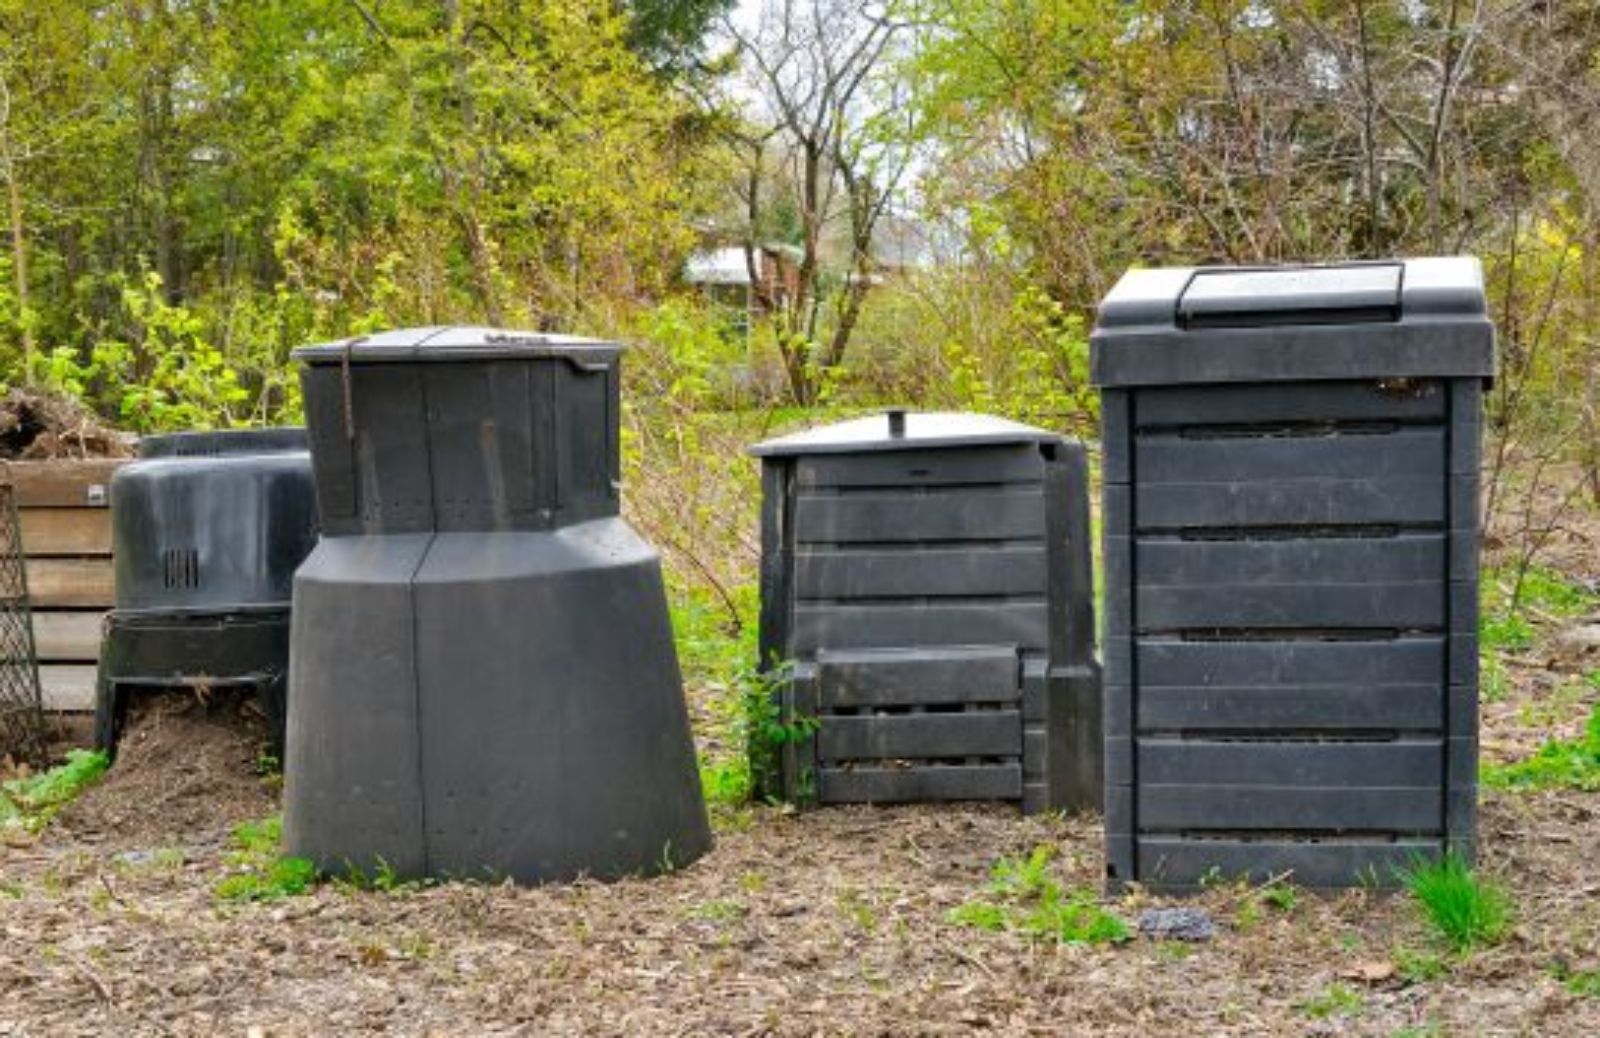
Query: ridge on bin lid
x=898 y=430
x=1441 y=286
x=456 y=342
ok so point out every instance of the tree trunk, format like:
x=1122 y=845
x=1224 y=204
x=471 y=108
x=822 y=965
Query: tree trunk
x=465 y=192
x=19 y=256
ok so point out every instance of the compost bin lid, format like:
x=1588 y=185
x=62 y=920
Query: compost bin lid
x=1397 y=318
x=455 y=343
x=219 y=442
x=897 y=430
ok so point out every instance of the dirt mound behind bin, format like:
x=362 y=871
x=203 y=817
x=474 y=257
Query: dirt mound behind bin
x=38 y=426
x=187 y=771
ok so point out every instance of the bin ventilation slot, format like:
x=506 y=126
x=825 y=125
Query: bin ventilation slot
x=1291 y=634
x=180 y=568
x=1314 y=295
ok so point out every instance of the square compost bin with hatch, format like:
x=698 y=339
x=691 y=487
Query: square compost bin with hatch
x=1291 y=550
x=926 y=608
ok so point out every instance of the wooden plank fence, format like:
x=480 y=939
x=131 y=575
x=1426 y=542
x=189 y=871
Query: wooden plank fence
x=66 y=535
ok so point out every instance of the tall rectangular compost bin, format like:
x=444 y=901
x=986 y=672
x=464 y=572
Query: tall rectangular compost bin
x=1291 y=597
x=482 y=678
x=925 y=585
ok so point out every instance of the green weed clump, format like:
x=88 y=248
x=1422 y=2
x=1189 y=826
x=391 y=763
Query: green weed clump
x=260 y=872
x=1585 y=983
x=1559 y=764
x=1023 y=897
x=1337 y=1000
x=29 y=803
x=1468 y=912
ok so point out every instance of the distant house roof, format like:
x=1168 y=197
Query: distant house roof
x=724 y=266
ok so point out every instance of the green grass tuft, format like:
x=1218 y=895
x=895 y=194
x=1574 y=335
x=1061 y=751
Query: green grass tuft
x=29 y=803
x=1465 y=910
x=1559 y=764
x=1023 y=896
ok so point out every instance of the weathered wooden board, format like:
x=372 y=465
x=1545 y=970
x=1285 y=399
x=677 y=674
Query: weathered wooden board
x=64 y=483
x=68 y=637
x=57 y=583
x=66 y=531
x=67 y=686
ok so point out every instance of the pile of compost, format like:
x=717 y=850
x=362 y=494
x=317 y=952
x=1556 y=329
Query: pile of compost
x=37 y=426
x=188 y=769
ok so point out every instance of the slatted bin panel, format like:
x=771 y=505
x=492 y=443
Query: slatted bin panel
x=66 y=532
x=1280 y=592
x=921 y=595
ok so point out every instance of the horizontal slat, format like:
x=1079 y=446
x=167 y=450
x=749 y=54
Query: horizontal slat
x=1406 y=762
x=1179 y=862
x=867 y=626
x=939 y=516
x=1011 y=463
x=1172 y=562
x=1410 y=400
x=958 y=571
x=72 y=637
x=894 y=677
x=1290 y=502
x=71 y=582
x=1352 y=707
x=1272 y=481
x=66 y=531
x=1179 y=459
x=1405 y=809
x=65 y=483
x=901 y=785
x=987 y=733
x=67 y=686
x=1303 y=582
x=1277 y=664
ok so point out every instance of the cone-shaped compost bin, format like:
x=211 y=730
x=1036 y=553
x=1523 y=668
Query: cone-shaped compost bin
x=482 y=677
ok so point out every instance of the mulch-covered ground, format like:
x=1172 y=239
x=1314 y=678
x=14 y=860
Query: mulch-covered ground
x=829 y=922
x=826 y=923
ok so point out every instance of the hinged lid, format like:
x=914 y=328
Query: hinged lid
x=458 y=344
x=1403 y=318
x=1295 y=295
x=901 y=430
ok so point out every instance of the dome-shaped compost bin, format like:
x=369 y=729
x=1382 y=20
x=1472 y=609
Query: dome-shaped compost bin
x=483 y=678
x=208 y=528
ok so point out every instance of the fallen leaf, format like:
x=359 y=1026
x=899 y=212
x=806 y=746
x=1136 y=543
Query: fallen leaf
x=1369 y=971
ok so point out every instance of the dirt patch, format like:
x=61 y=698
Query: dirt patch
x=39 y=426
x=185 y=773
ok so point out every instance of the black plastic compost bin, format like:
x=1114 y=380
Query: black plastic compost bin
x=207 y=528
x=483 y=680
x=1291 y=539
x=926 y=607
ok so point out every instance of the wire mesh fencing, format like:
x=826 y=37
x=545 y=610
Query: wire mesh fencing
x=22 y=724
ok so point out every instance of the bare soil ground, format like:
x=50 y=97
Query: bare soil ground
x=829 y=922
